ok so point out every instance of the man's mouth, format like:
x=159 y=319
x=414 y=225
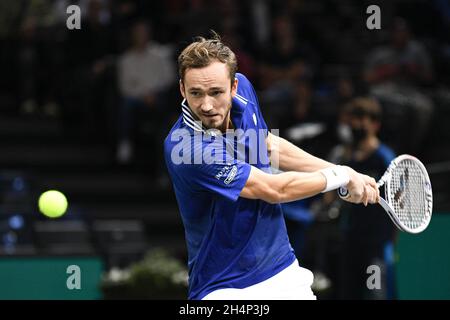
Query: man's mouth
x=210 y=115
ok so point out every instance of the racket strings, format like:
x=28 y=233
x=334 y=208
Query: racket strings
x=408 y=196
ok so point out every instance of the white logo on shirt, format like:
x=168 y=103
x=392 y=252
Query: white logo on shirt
x=231 y=175
x=223 y=171
x=254 y=119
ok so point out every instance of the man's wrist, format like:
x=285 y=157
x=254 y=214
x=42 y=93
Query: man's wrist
x=336 y=177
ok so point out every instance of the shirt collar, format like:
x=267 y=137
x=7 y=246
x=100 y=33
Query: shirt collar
x=196 y=125
x=188 y=118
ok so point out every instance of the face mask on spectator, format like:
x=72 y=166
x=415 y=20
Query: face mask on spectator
x=358 y=135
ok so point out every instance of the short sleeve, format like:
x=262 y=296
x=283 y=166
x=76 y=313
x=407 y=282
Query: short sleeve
x=246 y=89
x=262 y=122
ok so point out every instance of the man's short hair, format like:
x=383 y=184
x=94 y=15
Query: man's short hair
x=363 y=106
x=202 y=52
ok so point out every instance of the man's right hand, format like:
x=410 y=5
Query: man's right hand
x=362 y=188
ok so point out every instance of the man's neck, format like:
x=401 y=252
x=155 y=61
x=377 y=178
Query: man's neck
x=227 y=124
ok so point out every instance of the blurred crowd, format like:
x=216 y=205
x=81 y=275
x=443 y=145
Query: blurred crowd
x=116 y=77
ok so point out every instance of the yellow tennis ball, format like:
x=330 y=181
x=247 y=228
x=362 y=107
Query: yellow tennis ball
x=52 y=203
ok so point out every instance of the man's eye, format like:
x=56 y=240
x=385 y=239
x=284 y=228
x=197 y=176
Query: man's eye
x=195 y=94
x=216 y=93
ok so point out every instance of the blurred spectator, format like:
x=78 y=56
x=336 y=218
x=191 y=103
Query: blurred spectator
x=90 y=86
x=319 y=131
x=39 y=59
x=146 y=72
x=287 y=59
x=368 y=233
x=285 y=74
x=231 y=36
x=442 y=8
x=397 y=74
x=260 y=21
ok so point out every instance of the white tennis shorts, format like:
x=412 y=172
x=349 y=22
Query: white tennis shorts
x=292 y=283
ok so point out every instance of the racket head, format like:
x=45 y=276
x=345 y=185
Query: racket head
x=408 y=193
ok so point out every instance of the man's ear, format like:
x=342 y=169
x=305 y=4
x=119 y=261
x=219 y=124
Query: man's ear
x=182 y=89
x=234 y=87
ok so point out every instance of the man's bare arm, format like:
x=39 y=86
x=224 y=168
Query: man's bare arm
x=283 y=187
x=288 y=157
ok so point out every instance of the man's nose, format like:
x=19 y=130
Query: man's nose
x=206 y=106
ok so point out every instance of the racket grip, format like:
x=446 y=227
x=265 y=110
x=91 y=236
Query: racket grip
x=343 y=193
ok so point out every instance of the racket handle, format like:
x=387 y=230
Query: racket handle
x=343 y=193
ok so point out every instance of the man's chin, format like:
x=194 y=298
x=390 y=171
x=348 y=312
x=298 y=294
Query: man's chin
x=212 y=124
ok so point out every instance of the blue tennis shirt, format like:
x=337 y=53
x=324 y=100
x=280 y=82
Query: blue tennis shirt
x=232 y=242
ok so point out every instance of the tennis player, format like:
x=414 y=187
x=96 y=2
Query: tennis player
x=228 y=197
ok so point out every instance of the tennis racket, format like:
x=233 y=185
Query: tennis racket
x=408 y=198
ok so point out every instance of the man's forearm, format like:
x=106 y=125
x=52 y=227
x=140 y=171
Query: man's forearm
x=288 y=157
x=295 y=185
x=283 y=187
